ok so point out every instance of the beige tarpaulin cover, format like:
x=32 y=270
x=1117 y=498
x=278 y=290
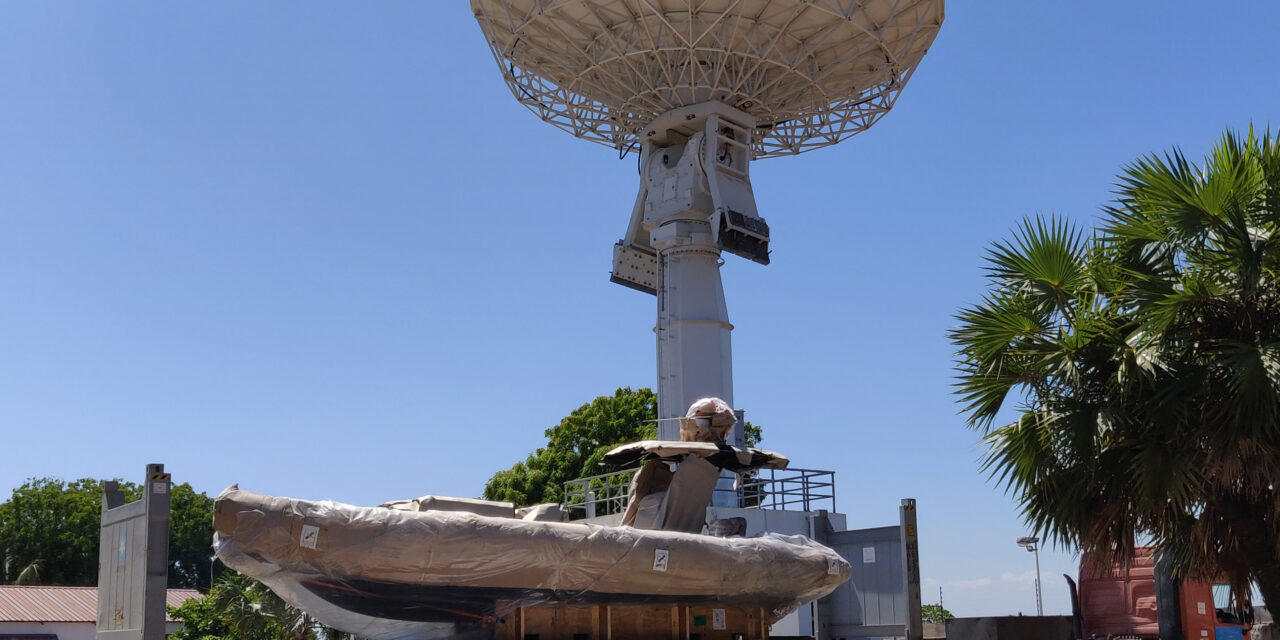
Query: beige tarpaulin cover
x=442 y=503
x=661 y=498
x=708 y=420
x=546 y=512
x=674 y=449
x=671 y=501
x=295 y=545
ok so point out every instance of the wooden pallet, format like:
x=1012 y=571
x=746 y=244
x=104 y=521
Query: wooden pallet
x=632 y=622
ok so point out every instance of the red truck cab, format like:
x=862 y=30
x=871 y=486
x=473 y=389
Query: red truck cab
x=1113 y=602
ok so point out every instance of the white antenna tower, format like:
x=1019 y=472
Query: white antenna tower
x=702 y=87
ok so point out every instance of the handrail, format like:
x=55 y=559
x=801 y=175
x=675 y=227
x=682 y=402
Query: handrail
x=772 y=489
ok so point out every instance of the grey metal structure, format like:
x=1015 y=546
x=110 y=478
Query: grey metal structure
x=882 y=599
x=133 y=560
x=1169 y=619
x=911 y=579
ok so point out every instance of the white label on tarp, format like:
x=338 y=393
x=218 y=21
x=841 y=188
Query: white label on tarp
x=1200 y=608
x=833 y=567
x=160 y=487
x=660 y=557
x=868 y=555
x=310 y=536
x=717 y=619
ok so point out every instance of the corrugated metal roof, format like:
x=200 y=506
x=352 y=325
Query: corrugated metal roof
x=63 y=604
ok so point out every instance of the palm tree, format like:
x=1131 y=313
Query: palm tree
x=248 y=610
x=1146 y=363
x=238 y=601
x=229 y=611
x=30 y=574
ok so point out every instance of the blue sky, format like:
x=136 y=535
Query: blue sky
x=316 y=248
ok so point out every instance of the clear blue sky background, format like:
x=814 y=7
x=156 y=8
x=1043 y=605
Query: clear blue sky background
x=316 y=248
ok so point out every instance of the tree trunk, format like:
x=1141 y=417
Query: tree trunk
x=1265 y=566
x=1253 y=521
x=1262 y=550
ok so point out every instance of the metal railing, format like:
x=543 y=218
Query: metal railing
x=788 y=490
x=601 y=495
x=778 y=490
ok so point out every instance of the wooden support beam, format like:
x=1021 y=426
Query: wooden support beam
x=604 y=630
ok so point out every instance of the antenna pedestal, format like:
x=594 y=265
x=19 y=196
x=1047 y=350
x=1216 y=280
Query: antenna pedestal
x=693 y=333
x=695 y=201
x=694 y=346
x=661 y=76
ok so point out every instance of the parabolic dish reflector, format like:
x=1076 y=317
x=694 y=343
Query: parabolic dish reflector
x=812 y=72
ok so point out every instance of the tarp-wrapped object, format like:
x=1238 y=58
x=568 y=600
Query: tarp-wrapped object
x=708 y=420
x=442 y=503
x=391 y=574
x=723 y=456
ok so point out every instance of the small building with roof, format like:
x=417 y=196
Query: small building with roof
x=62 y=613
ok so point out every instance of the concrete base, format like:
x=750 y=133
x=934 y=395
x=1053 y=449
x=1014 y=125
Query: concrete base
x=1010 y=628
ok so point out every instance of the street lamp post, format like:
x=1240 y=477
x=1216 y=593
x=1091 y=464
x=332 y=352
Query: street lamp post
x=1030 y=544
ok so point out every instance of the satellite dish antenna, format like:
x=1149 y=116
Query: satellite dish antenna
x=700 y=88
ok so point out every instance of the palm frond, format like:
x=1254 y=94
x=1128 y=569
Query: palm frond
x=29 y=575
x=1043 y=262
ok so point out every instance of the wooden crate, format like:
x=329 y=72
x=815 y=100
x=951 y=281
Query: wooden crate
x=632 y=622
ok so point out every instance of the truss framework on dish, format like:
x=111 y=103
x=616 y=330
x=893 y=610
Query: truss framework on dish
x=812 y=72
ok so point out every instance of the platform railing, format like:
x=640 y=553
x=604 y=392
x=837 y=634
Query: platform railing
x=600 y=495
x=777 y=490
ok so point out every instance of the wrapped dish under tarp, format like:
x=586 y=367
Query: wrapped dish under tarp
x=389 y=574
x=721 y=455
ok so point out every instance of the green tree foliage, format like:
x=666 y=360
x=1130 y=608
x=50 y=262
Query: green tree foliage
x=49 y=532
x=934 y=613
x=190 y=538
x=238 y=607
x=200 y=620
x=576 y=446
x=1146 y=364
